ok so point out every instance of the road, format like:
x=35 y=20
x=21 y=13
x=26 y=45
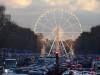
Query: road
x=13 y=74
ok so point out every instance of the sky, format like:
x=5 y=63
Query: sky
x=26 y=12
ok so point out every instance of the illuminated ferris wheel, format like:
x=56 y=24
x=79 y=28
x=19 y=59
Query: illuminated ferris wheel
x=59 y=25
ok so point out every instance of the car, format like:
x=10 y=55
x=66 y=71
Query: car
x=13 y=74
x=1 y=69
x=37 y=72
x=66 y=73
x=21 y=70
x=25 y=70
x=86 y=71
x=50 y=67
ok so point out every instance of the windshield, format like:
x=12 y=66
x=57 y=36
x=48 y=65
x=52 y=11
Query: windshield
x=10 y=64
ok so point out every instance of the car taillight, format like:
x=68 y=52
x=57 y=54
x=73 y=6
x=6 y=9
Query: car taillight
x=80 y=69
x=92 y=70
x=92 y=73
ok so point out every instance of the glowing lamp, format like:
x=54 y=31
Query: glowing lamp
x=57 y=52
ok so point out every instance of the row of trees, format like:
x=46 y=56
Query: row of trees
x=89 y=42
x=13 y=36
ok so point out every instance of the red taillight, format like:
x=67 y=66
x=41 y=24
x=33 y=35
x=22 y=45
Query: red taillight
x=80 y=69
x=92 y=73
x=79 y=66
x=57 y=52
x=92 y=70
x=97 y=58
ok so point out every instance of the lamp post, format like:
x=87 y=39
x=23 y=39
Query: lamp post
x=57 y=63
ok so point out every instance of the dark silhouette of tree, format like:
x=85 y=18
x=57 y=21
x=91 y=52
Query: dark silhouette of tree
x=88 y=42
x=15 y=37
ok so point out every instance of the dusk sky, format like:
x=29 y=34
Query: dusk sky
x=26 y=12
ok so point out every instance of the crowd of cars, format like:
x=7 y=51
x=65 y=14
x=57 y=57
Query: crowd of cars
x=34 y=69
x=49 y=68
x=84 y=68
x=83 y=71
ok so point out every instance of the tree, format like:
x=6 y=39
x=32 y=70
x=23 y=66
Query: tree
x=88 y=42
x=14 y=36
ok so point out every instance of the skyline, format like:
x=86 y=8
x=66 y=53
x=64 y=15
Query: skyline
x=26 y=12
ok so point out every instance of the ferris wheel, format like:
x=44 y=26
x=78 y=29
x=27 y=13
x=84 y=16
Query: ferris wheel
x=59 y=25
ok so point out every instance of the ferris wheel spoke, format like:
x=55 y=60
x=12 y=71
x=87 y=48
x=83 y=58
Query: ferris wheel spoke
x=72 y=25
x=49 y=20
x=72 y=20
x=61 y=17
x=67 y=44
x=64 y=47
x=44 y=26
x=52 y=46
x=66 y=21
x=70 y=32
x=72 y=36
x=42 y=30
x=45 y=32
x=54 y=18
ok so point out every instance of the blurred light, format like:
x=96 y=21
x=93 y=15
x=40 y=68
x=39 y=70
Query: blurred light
x=6 y=71
x=97 y=58
x=57 y=52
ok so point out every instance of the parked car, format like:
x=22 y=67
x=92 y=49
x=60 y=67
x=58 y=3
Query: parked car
x=37 y=72
x=1 y=69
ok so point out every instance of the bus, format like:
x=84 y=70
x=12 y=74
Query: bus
x=9 y=64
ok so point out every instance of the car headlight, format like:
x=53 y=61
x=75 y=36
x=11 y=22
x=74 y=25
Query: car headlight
x=6 y=70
